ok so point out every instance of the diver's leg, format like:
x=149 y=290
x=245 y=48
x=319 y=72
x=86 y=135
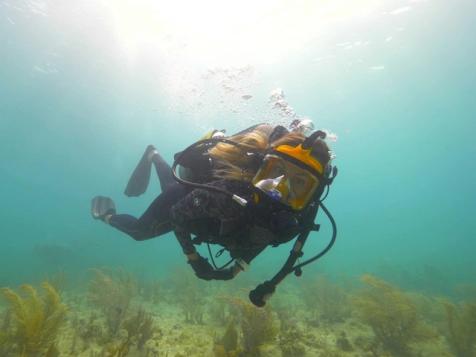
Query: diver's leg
x=164 y=171
x=139 y=180
x=156 y=219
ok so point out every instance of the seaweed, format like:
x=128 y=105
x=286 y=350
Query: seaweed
x=219 y=312
x=120 y=349
x=220 y=351
x=287 y=306
x=461 y=334
x=58 y=280
x=35 y=320
x=6 y=348
x=151 y=290
x=189 y=296
x=135 y=332
x=343 y=342
x=139 y=327
x=289 y=340
x=112 y=294
x=325 y=301
x=431 y=309
x=258 y=326
x=87 y=330
x=5 y=320
x=227 y=346
x=392 y=316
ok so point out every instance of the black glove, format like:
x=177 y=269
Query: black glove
x=202 y=268
x=225 y=274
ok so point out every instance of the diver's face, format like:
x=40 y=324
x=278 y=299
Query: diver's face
x=296 y=186
x=298 y=183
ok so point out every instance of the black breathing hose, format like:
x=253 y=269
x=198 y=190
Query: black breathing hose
x=262 y=292
x=328 y=247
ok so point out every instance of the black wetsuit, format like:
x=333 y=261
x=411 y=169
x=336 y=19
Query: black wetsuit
x=211 y=216
x=156 y=220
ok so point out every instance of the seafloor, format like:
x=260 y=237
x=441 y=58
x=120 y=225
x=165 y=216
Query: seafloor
x=112 y=312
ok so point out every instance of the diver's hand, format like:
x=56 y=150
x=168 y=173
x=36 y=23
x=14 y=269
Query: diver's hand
x=205 y=271
x=224 y=274
x=202 y=268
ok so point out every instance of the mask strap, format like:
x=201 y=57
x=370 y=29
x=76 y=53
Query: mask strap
x=319 y=134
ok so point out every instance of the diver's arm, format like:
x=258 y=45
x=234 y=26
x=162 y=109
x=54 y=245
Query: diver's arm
x=205 y=271
x=245 y=256
x=200 y=265
x=241 y=264
x=185 y=241
x=228 y=273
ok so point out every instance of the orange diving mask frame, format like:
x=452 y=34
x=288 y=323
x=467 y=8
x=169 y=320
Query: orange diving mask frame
x=289 y=175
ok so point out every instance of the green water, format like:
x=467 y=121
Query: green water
x=78 y=107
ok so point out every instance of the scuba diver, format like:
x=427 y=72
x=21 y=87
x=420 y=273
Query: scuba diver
x=260 y=187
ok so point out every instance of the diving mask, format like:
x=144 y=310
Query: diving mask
x=286 y=179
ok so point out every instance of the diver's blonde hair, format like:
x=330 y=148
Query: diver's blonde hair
x=236 y=164
x=234 y=161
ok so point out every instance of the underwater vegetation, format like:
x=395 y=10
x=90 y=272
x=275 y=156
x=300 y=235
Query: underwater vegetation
x=115 y=323
x=139 y=328
x=151 y=290
x=112 y=293
x=325 y=301
x=431 y=309
x=392 y=316
x=228 y=345
x=33 y=321
x=114 y=314
x=252 y=331
x=461 y=333
x=291 y=338
x=257 y=325
x=189 y=295
x=58 y=280
x=219 y=311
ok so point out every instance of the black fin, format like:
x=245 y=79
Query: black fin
x=102 y=206
x=139 y=180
